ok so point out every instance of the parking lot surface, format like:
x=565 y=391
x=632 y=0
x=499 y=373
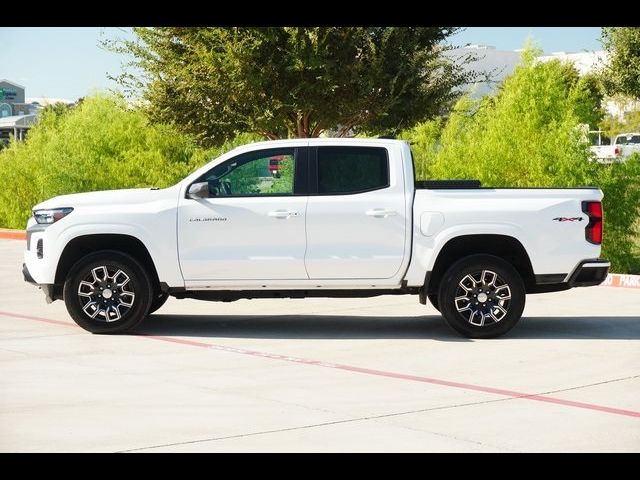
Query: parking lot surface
x=379 y=374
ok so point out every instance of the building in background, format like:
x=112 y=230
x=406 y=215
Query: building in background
x=495 y=65
x=16 y=126
x=585 y=62
x=492 y=65
x=12 y=99
x=18 y=113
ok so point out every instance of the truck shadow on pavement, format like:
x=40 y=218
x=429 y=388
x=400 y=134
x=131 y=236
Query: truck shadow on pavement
x=370 y=327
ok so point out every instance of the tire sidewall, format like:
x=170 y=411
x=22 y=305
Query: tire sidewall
x=140 y=284
x=473 y=263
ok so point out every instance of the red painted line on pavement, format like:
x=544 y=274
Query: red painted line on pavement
x=37 y=319
x=402 y=376
x=369 y=371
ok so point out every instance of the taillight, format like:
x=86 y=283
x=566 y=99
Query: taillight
x=617 y=152
x=593 y=230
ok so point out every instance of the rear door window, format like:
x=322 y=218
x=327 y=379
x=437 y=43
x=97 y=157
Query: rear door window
x=347 y=170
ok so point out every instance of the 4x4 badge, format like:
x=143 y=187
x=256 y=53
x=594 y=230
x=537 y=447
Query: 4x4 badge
x=568 y=219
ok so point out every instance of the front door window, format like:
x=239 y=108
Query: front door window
x=266 y=172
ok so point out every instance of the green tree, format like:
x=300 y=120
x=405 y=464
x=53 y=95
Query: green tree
x=290 y=81
x=587 y=95
x=622 y=74
x=57 y=108
x=613 y=125
x=98 y=145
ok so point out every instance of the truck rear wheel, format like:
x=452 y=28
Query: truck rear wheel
x=107 y=292
x=481 y=296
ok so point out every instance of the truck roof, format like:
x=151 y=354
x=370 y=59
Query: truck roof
x=323 y=141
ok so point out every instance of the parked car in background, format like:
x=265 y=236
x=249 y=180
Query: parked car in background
x=274 y=165
x=623 y=146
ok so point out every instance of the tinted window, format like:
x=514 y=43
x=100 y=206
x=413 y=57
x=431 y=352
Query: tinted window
x=265 y=172
x=628 y=139
x=352 y=169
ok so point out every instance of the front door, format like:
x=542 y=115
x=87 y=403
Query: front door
x=252 y=226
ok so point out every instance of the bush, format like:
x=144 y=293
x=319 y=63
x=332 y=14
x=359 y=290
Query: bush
x=620 y=183
x=529 y=135
x=99 y=145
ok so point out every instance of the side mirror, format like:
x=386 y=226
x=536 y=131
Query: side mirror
x=198 y=190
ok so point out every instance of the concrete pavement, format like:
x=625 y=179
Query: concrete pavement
x=380 y=374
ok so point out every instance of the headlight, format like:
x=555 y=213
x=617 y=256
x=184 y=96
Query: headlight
x=52 y=215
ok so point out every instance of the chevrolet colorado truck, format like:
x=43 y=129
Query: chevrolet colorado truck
x=344 y=218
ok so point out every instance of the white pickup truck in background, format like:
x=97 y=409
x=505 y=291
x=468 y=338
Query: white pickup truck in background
x=622 y=147
x=342 y=218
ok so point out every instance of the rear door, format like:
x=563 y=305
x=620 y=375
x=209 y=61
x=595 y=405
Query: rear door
x=356 y=216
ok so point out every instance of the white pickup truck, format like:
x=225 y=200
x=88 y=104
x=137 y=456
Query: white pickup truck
x=343 y=218
x=622 y=147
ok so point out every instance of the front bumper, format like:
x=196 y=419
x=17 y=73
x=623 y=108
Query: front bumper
x=47 y=289
x=27 y=276
x=589 y=273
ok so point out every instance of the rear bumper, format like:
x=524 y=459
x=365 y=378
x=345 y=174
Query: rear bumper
x=589 y=273
x=586 y=274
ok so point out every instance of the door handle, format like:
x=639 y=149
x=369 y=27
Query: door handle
x=380 y=212
x=282 y=214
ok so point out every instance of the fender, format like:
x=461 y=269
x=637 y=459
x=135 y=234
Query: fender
x=157 y=246
x=427 y=249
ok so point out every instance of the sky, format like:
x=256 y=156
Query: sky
x=68 y=63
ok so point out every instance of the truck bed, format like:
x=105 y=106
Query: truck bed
x=477 y=185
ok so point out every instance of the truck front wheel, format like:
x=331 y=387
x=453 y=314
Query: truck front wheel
x=481 y=296
x=107 y=292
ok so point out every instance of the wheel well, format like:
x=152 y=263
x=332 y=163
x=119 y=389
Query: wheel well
x=86 y=244
x=503 y=246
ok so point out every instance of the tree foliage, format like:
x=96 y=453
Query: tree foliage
x=529 y=135
x=622 y=74
x=292 y=81
x=98 y=145
x=57 y=108
x=613 y=125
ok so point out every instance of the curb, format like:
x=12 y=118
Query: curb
x=612 y=280
x=13 y=234
x=621 y=280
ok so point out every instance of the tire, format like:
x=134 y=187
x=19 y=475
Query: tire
x=87 y=284
x=158 y=301
x=433 y=298
x=475 y=278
